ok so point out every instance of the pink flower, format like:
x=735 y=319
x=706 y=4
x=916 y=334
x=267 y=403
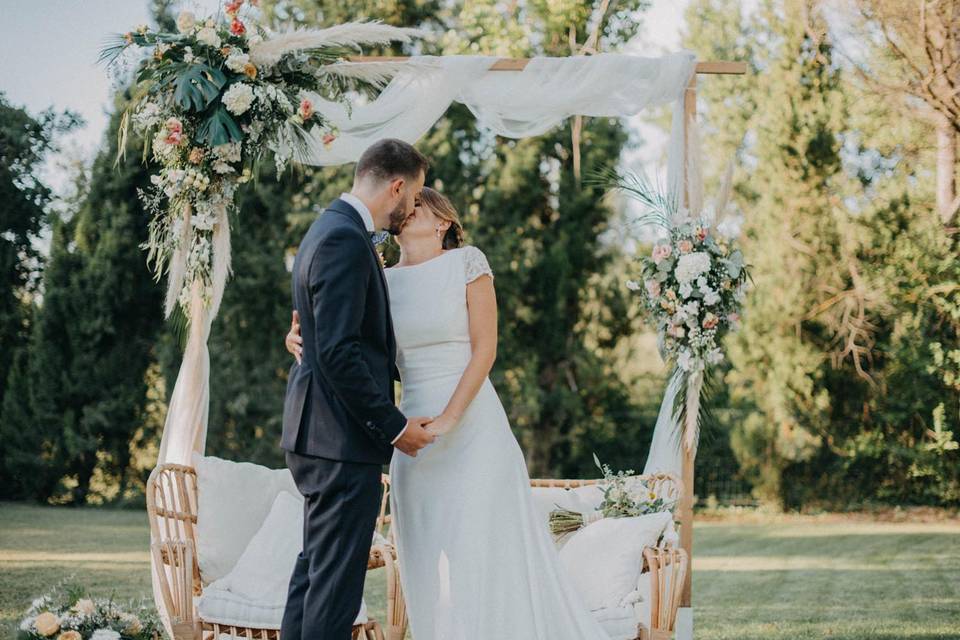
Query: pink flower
x=685 y=246
x=676 y=330
x=328 y=140
x=710 y=321
x=653 y=288
x=661 y=252
x=733 y=319
x=174 y=132
x=232 y=8
x=237 y=28
x=306 y=109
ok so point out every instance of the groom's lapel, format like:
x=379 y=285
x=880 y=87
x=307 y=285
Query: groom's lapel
x=344 y=207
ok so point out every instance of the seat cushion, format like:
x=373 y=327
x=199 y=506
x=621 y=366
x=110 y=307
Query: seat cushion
x=224 y=607
x=233 y=498
x=254 y=593
x=620 y=623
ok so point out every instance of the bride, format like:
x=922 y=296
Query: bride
x=476 y=562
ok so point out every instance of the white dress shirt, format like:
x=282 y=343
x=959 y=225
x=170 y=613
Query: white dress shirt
x=364 y=212
x=361 y=208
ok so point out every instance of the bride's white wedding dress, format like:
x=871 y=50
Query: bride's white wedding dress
x=475 y=561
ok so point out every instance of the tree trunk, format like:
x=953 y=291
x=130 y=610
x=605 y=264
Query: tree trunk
x=946 y=169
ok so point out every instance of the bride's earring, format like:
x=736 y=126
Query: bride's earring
x=438 y=231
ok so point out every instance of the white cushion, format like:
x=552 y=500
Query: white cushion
x=620 y=623
x=223 y=607
x=233 y=498
x=605 y=557
x=254 y=593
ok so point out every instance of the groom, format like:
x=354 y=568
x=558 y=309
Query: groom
x=340 y=424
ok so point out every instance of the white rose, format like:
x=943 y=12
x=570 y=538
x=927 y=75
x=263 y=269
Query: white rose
x=686 y=290
x=237 y=60
x=691 y=265
x=186 y=22
x=710 y=297
x=85 y=607
x=208 y=36
x=238 y=98
x=105 y=634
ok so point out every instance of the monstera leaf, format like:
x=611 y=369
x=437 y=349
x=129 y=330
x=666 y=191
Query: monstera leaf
x=219 y=128
x=196 y=86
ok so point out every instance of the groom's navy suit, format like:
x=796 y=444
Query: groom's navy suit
x=339 y=419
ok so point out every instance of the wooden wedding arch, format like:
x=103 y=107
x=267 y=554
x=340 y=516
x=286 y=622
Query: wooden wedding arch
x=714 y=67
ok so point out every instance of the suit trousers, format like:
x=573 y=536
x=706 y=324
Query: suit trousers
x=340 y=507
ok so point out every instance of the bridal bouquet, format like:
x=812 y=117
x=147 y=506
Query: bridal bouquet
x=66 y=614
x=210 y=100
x=624 y=496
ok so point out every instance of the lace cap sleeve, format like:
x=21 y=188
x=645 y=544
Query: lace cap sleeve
x=475 y=264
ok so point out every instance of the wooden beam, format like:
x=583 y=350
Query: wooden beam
x=714 y=67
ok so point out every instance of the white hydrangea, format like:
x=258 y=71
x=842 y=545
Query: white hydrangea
x=691 y=265
x=237 y=60
x=105 y=634
x=686 y=290
x=238 y=98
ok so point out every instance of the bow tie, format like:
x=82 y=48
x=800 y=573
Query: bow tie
x=378 y=237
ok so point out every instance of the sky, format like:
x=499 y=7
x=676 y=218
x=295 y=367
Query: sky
x=49 y=49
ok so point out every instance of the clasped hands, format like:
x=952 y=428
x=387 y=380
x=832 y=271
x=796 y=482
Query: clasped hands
x=419 y=431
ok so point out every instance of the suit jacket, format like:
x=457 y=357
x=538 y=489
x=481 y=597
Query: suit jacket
x=339 y=403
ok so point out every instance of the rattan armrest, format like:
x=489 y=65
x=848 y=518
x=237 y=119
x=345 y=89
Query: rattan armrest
x=174 y=560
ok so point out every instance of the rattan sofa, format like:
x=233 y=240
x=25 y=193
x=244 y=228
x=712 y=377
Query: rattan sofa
x=172 y=509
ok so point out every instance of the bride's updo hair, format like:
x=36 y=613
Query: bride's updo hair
x=441 y=207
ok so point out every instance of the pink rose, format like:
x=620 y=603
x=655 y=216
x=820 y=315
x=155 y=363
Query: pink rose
x=710 y=321
x=685 y=246
x=306 y=109
x=237 y=28
x=328 y=140
x=653 y=288
x=661 y=252
x=174 y=132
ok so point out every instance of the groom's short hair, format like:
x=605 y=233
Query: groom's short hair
x=389 y=159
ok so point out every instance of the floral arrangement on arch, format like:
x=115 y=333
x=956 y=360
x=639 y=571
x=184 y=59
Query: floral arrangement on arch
x=693 y=283
x=66 y=613
x=210 y=101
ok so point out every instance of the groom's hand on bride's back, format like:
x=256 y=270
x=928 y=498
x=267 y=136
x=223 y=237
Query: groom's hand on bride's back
x=415 y=436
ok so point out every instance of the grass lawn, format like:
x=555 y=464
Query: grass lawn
x=790 y=578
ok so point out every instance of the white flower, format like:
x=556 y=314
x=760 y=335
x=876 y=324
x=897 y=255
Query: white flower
x=229 y=152
x=685 y=360
x=237 y=60
x=710 y=297
x=238 y=98
x=85 y=606
x=633 y=285
x=715 y=356
x=208 y=36
x=730 y=227
x=686 y=290
x=105 y=634
x=186 y=22
x=701 y=283
x=691 y=265
x=27 y=623
x=188 y=54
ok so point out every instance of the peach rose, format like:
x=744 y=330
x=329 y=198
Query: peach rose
x=47 y=624
x=710 y=321
x=250 y=70
x=196 y=155
x=174 y=132
x=70 y=635
x=661 y=252
x=685 y=246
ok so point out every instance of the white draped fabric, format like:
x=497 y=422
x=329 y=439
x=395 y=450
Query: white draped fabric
x=513 y=104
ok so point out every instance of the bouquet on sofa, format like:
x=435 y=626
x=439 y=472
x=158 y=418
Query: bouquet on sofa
x=66 y=613
x=624 y=496
x=210 y=100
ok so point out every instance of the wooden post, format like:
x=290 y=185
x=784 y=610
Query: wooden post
x=686 y=500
